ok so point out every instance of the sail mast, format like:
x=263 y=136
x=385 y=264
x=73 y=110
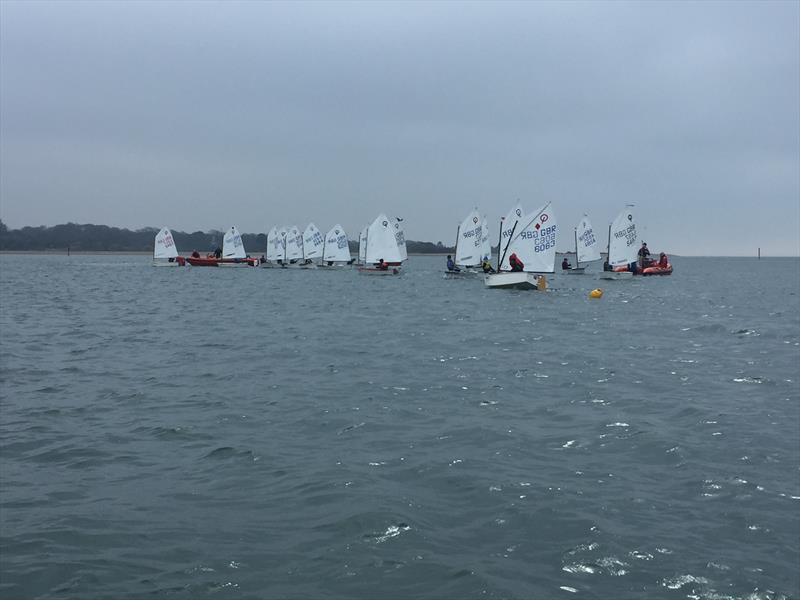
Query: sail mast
x=499 y=241
x=455 y=248
x=577 y=262
x=508 y=243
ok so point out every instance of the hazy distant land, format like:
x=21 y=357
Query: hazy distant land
x=102 y=238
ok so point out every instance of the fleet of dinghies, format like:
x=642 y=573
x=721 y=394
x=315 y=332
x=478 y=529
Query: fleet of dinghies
x=288 y=248
x=526 y=249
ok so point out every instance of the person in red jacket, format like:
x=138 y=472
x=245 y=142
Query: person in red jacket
x=515 y=263
x=663 y=261
x=382 y=266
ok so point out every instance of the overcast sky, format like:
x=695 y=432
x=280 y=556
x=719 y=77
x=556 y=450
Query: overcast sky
x=199 y=115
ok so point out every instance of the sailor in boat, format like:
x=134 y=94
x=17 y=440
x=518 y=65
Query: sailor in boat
x=451 y=266
x=382 y=266
x=607 y=266
x=218 y=253
x=565 y=264
x=644 y=256
x=515 y=263
x=663 y=261
x=486 y=265
x=195 y=254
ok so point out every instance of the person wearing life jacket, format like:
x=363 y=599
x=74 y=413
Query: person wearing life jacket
x=565 y=266
x=382 y=266
x=663 y=261
x=515 y=263
x=644 y=255
x=451 y=266
x=195 y=254
x=487 y=266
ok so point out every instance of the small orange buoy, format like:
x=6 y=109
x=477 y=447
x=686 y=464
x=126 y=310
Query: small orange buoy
x=596 y=293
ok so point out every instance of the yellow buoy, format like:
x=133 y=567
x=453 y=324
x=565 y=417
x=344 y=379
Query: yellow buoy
x=596 y=293
x=541 y=283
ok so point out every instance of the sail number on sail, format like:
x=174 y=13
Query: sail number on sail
x=543 y=238
x=629 y=233
x=473 y=233
x=587 y=238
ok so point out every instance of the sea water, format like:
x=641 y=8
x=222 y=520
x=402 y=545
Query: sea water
x=255 y=433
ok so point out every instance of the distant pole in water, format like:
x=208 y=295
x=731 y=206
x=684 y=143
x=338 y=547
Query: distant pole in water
x=759 y=253
x=67 y=250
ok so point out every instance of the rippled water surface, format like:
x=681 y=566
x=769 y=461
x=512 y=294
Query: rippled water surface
x=254 y=433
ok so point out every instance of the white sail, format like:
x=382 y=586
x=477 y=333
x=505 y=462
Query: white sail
x=623 y=245
x=312 y=242
x=587 y=248
x=294 y=244
x=362 y=245
x=511 y=223
x=400 y=238
x=164 y=245
x=534 y=241
x=232 y=246
x=381 y=242
x=337 y=248
x=486 y=242
x=470 y=238
x=274 y=245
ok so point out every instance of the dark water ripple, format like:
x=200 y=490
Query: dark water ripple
x=284 y=434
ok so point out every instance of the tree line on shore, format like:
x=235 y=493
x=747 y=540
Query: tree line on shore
x=102 y=238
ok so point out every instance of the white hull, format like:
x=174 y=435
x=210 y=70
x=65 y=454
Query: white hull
x=165 y=263
x=575 y=271
x=518 y=280
x=613 y=275
x=374 y=271
x=233 y=265
x=335 y=266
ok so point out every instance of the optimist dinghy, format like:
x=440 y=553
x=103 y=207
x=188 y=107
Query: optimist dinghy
x=623 y=246
x=532 y=238
x=336 y=250
x=165 y=254
x=585 y=246
x=385 y=241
